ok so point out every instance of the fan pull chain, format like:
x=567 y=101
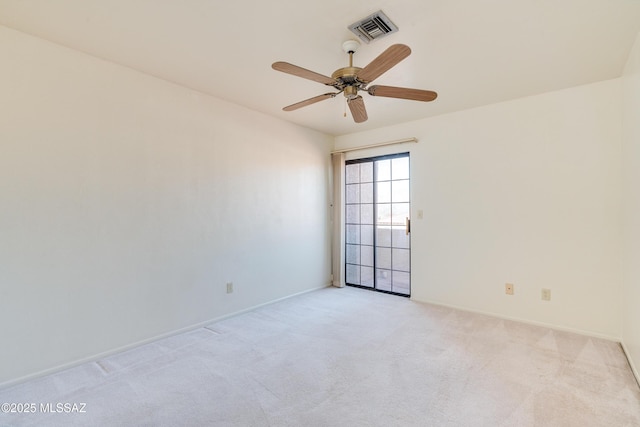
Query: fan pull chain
x=345 y=107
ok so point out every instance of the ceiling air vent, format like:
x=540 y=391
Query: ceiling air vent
x=373 y=27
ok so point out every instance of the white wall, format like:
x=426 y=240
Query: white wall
x=631 y=206
x=526 y=192
x=128 y=202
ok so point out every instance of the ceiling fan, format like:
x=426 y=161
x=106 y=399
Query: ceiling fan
x=349 y=80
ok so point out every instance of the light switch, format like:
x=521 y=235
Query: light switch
x=420 y=214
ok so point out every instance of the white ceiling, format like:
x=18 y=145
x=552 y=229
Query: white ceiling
x=472 y=52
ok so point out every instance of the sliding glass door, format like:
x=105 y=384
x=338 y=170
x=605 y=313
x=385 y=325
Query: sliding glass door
x=378 y=250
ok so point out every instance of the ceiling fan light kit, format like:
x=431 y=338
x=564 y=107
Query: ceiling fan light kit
x=349 y=80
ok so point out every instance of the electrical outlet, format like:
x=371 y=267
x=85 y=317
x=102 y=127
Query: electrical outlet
x=508 y=288
x=546 y=294
x=229 y=287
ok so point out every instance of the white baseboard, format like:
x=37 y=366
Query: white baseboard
x=632 y=365
x=108 y=353
x=527 y=321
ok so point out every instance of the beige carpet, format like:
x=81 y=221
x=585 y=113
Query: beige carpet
x=347 y=357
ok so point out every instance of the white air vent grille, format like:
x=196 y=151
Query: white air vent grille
x=373 y=27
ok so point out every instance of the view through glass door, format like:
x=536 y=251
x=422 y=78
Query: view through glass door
x=378 y=239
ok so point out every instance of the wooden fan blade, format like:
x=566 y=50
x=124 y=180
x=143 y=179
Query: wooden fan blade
x=285 y=67
x=309 y=101
x=359 y=113
x=402 y=93
x=384 y=62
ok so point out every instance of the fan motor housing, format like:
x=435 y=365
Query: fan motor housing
x=346 y=75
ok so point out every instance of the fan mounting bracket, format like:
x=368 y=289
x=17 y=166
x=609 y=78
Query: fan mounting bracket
x=350 y=46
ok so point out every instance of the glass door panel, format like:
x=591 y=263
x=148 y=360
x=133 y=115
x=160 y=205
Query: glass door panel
x=359 y=224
